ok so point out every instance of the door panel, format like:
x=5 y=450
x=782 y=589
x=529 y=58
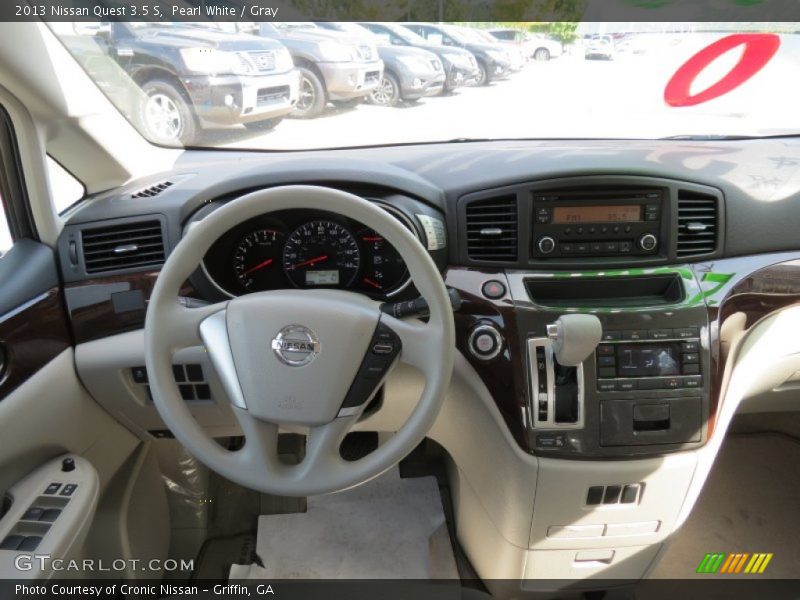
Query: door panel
x=33 y=328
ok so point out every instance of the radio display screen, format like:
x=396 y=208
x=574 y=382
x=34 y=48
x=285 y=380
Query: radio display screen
x=648 y=360
x=624 y=213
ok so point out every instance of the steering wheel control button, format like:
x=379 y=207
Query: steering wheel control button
x=384 y=348
x=139 y=374
x=493 y=289
x=485 y=342
x=52 y=489
x=296 y=345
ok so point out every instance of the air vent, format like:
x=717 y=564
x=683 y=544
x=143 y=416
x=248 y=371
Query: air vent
x=697 y=223
x=152 y=190
x=127 y=246
x=492 y=229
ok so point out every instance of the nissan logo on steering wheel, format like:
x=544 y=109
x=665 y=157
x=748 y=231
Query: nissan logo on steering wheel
x=295 y=345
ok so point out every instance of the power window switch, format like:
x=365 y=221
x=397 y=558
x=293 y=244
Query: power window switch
x=612 y=494
x=69 y=489
x=139 y=374
x=30 y=543
x=11 y=542
x=34 y=513
x=49 y=515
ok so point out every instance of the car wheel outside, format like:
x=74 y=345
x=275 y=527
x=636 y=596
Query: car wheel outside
x=483 y=74
x=541 y=55
x=265 y=125
x=165 y=115
x=312 y=99
x=388 y=91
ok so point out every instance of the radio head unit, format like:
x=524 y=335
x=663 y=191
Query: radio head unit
x=603 y=224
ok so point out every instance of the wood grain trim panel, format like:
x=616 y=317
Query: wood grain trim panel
x=31 y=336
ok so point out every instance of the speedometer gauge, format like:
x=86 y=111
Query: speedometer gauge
x=256 y=259
x=321 y=254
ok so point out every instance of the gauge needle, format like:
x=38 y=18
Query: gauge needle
x=259 y=266
x=309 y=262
x=374 y=284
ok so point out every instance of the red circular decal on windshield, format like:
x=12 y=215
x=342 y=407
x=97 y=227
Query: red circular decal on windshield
x=759 y=48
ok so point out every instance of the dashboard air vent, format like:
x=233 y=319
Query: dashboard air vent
x=152 y=190
x=126 y=246
x=492 y=229
x=697 y=223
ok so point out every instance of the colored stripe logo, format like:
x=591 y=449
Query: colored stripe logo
x=739 y=562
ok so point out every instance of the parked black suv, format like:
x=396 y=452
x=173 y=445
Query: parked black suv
x=408 y=73
x=460 y=66
x=493 y=62
x=333 y=66
x=195 y=76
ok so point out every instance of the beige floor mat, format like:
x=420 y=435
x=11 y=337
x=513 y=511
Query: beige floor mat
x=751 y=503
x=387 y=528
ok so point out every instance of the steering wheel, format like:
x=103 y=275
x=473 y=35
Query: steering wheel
x=307 y=358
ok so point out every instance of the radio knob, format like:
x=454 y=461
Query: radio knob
x=485 y=342
x=546 y=245
x=648 y=242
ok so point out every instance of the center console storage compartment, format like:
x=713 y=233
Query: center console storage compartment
x=650 y=421
x=625 y=290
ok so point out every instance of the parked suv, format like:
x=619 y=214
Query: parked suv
x=459 y=65
x=408 y=73
x=196 y=76
x=334 y=67
x=493 y=62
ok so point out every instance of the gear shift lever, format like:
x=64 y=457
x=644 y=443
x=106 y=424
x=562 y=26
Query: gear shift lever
x=574 y=338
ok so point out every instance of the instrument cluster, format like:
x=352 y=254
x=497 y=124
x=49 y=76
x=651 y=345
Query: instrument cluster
x=306 y=250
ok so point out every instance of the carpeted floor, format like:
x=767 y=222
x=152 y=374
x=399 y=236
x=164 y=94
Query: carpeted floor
x=387 y=528
x=751 y=503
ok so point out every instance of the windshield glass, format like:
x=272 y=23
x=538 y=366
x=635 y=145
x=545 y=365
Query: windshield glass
x=291 y=86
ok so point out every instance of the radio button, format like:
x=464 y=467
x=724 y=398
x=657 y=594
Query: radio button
x=606 y=372
x=615 y=229
x=648 y=242
x=605 y=349
x=690 y=347
x=673 y=383
x=596 y=248
x=607 y=385
x=628 y=385
x=546 y=244
x=690 y=369
x=611 y=247
x=607 y=361
x=567 y=248
x=611 y=335
x=634 y=334
x=567 y=230
x=579 y=230
x=660 y=334
x=592 y=229
x=687 y=332
x=543 y=215
x=625 y=247
x=692 y=357
x=651 y=384
x=695 y=381
x=604 y=229
x=581 y=248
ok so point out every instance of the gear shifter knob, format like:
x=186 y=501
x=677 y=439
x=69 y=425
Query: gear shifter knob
x=574 y=338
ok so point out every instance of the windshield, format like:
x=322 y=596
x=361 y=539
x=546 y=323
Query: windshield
x=234 y=85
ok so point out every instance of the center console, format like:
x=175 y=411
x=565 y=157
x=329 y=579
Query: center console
x=644 y=388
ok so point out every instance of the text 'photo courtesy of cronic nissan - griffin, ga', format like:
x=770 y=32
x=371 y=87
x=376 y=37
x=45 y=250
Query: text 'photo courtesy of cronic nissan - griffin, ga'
x=400 y=299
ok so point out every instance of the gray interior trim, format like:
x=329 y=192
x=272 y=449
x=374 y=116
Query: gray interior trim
x=27 y=270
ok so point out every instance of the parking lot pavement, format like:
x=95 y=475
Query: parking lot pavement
x=567 y=97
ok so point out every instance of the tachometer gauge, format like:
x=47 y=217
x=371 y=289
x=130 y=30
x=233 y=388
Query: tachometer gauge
x=384 y=270
x=321 y=254
x=256 y=260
